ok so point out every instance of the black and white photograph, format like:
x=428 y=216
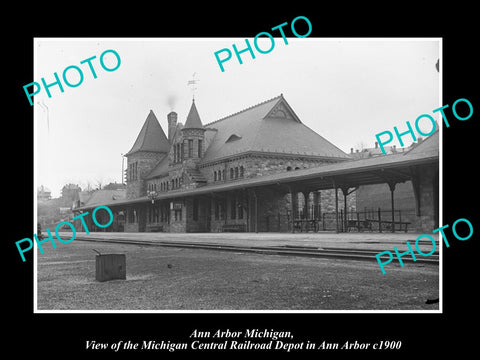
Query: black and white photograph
x=239 y=199
x=216 y=181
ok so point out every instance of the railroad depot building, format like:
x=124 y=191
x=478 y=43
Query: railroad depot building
x=261 y=169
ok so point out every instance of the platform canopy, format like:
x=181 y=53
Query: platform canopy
x=393 y=168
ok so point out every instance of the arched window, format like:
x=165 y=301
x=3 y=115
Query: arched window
x=231 y=173
x=241 y=171
x=223 y=174
x=190 y=148
x=214 y=176
x=289 y=168
x=236 y=172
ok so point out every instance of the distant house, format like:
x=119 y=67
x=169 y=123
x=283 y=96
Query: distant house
x=43 y=193
x=377 y=151
x=81 y=199
x=96 y=198
x=115 y=186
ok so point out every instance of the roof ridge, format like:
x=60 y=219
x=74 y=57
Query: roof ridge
x=325 y=139
x=417 y=144
x=165 y=156
x=248 y=108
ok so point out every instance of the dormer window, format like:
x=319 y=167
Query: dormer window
x=233 y=137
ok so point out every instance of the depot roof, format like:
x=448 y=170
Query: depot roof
x=151 y=138
x=374 y=170
x=268 y=127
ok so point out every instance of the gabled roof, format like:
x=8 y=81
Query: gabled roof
x=160 y=169
x=270 y=126
x=428 y=146
x=44 y=189
x=100 y=197
x=193 y=119
x=151 y=137
x=83 y=196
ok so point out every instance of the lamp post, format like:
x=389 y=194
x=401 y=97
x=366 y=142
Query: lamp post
x=152 y=195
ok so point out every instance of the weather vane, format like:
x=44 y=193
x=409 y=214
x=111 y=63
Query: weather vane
x=193 y=82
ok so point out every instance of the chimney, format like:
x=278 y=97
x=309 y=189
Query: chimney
x=172 y=124
x=376 y=144
x=351 y=150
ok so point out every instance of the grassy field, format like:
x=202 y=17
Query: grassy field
x=184 y=279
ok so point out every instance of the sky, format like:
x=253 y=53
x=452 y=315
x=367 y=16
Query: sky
x=347 y=90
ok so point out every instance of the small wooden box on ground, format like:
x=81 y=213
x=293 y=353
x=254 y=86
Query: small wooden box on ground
x=110 y=267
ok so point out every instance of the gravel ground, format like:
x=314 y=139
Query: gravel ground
x=185 y=279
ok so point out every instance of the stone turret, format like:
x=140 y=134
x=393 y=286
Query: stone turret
x=193 y=134
x=149 y=147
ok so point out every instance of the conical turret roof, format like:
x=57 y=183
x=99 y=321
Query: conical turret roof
x=193 y=119
x=151 y=138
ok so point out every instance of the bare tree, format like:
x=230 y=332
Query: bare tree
x=99 y=182
x=361 y=145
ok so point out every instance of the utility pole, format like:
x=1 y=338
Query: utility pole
x=123 y=171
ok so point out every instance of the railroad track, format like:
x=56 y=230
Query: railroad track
x=289 y=250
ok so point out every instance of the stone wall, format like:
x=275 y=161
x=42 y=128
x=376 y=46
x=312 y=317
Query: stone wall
x=145 y=163
x=372 y=197
x=256 y=166
x=178 y=224
x=224 y=203
x=429 y=194
x=273 y=211
x=197 y=224
x=327 y=201
x=378 y=196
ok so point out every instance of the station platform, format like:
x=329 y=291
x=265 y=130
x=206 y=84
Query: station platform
x=321 y=240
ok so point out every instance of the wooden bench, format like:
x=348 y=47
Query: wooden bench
x=155 y=228
x=388 y=225
x=306 y=225
x=359 y=225
x=367 y=225
x=234 y=228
